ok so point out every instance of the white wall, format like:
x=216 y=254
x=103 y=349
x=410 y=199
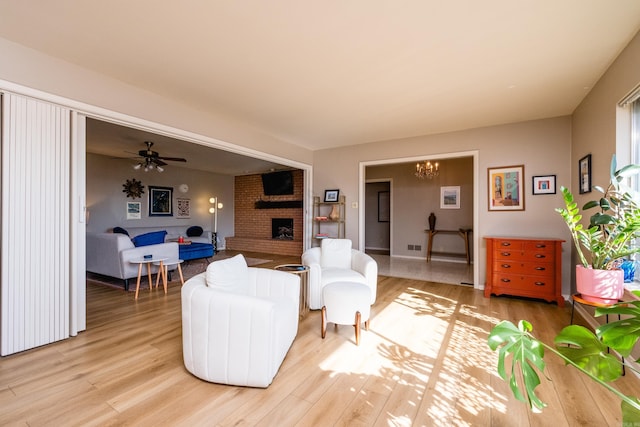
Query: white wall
x=106 y=201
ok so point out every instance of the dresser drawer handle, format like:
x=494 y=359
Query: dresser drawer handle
x=540 y=268
x=505 y=253
x=505 y=280
x=540 y=256
x=505 y=266
x=541 y=246
x=505 y=244
x=539 y=283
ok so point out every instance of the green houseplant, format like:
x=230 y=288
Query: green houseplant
x=607 y=240
x=609 y=237
x=578 y=347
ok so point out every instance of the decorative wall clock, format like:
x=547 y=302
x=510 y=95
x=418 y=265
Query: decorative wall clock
x=133 y=188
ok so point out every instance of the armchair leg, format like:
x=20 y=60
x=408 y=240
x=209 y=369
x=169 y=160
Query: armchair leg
x=324 y=322
x=357 y=326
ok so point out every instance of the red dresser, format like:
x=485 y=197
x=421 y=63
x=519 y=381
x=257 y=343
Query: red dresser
x=526 y=267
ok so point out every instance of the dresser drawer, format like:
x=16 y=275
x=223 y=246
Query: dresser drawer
x=516 y=282
x=508 y=244
x=519 y=267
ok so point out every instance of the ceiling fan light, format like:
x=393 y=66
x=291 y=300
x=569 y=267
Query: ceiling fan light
x=137 y=166
x=160 y=169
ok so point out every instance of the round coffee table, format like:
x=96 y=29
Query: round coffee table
x=148 y=261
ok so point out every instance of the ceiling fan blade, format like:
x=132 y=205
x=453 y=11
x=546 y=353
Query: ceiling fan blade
x=158 y=162
x=173 y=159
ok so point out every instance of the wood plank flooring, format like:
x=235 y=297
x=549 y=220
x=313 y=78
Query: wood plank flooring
x=423 y=362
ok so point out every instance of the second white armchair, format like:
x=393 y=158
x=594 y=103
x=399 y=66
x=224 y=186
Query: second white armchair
x=336 y=261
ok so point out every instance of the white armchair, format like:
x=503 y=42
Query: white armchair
x=238 y=323
x=335 y=261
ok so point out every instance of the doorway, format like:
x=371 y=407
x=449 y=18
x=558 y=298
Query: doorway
x=378 y=217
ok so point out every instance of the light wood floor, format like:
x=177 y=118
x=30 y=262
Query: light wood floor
x=424 y=362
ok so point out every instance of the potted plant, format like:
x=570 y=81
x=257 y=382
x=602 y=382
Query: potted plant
x=577 y=346
x=608 y=240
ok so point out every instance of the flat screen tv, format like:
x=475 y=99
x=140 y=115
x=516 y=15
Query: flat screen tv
x=277 y=183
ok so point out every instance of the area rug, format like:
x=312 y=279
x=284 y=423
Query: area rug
x=189 y=269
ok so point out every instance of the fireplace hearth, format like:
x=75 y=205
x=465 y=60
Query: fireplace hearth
x=282 y=228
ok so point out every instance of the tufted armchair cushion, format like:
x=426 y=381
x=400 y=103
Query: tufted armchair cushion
x=237 y=338
x=336 y=261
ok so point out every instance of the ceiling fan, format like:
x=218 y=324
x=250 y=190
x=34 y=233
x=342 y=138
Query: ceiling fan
x=151 y=159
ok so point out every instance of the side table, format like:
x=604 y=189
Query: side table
x=164 y=272
x=303 y=272
x=148 y=261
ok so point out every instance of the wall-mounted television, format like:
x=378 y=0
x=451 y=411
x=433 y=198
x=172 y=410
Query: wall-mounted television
x=277 y=183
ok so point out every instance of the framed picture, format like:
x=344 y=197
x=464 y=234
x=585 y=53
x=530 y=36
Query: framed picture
x=506 y=192
x=384 y=206
x=544 y=184
x=134 y=210
x=584 y=169
x=450 y=197
x=331 y=195
x=160 y=201
x=183 y=208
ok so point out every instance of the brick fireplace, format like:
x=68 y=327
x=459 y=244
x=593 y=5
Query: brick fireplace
x=255 y=214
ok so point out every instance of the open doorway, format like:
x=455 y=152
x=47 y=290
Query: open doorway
x=378 y=217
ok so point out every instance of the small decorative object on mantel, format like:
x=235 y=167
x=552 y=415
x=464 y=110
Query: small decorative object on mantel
x=133 y=188
x=432 y=221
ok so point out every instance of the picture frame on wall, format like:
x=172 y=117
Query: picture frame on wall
x=506 y=188
x=331 y=195
x=543 y=184
x=584 y=169
x=450 y=197
x=183 y=208
x=134 y=210
x=160 y=201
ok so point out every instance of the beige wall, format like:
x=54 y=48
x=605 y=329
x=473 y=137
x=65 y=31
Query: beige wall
x=542 y=146
x=106 y=201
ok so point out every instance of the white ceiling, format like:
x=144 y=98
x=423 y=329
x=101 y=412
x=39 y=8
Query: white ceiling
x=329 y=73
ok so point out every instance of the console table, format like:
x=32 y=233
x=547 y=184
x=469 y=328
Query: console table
x=462 y=232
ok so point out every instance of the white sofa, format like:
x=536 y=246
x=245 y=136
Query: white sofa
x=109 y=254
x=238 y=322
x=335 y=261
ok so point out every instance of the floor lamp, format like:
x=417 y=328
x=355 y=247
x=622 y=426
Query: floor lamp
x=213 y=210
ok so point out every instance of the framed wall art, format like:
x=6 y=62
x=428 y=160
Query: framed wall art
x=506 y=188
x=450 y=197
x=134 y=210
x=160 y=201
x=584 y=169
x=331 y=195
x=183 y=208
x=544 y=184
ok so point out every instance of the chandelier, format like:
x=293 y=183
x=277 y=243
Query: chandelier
x=427 y=169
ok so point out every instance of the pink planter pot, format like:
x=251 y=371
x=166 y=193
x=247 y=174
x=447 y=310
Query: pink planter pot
x=600 y=286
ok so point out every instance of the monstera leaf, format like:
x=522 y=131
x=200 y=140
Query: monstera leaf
x=526 y=358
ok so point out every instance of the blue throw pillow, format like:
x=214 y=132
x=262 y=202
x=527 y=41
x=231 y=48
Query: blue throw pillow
x=153 y=238
x=194 y=231
x=120 y=230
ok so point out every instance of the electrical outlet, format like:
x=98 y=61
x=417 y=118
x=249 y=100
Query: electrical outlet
x=418 y=247
x=410 y=247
